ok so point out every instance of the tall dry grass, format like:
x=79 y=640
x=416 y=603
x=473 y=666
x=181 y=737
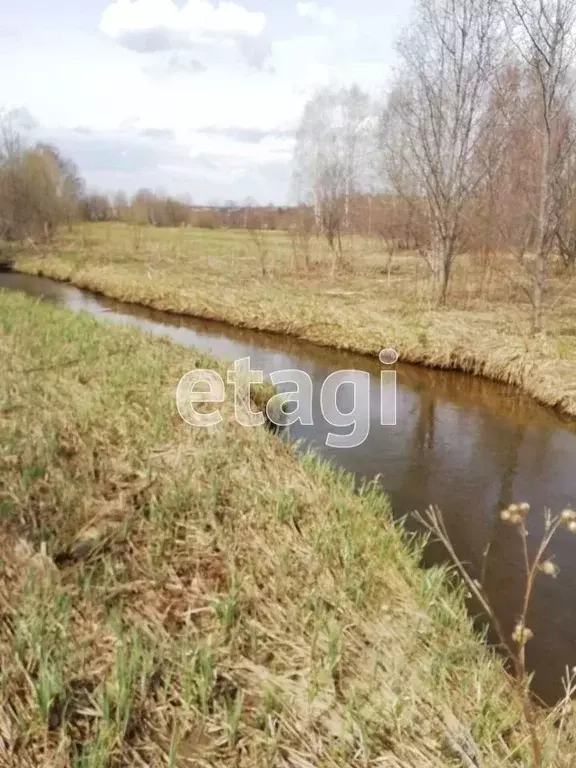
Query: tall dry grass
x=376 y=303
x=175 y=597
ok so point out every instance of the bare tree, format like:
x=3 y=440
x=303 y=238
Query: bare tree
x=261 y=242
x=121 y=206
x=248 y=205
x=96 y=207
x=543 y=34
x=331 y=158
x=436 y=116
x=565 y=204
x=39 y=188
x=300 y=232
x=63 y=178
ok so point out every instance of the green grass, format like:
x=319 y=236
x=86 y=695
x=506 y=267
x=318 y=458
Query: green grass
x=260 y=281
x=172 y=596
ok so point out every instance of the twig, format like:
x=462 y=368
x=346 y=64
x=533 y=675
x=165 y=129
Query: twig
x=515 y=515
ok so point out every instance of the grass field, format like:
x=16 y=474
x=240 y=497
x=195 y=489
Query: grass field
x=260 y=281
x=173 y=597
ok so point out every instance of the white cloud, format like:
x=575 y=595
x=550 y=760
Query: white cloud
x=228 y=122
x=311 y=10
x=153 y=25
x=239 y=154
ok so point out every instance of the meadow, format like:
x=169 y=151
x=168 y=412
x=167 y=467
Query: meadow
x=174 y=597
x=272 y=281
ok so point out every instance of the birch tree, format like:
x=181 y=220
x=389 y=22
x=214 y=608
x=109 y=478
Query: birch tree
x=330 y=159
x=437 y=115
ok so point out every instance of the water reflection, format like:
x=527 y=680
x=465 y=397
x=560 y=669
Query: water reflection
x=469 y=446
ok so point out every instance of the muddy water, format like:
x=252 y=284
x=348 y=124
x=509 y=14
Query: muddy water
x=468 y=445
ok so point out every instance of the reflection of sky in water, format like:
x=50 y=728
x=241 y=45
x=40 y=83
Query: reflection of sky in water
x=460 y=443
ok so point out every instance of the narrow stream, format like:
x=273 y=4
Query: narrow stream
x=467 y=445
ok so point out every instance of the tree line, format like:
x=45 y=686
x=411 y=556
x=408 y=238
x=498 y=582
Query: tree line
x=157 y=209
x=41 y=189
x=472 y=150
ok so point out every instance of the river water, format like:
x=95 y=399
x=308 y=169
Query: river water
x=467 y=445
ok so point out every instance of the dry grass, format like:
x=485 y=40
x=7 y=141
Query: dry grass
x=219 y=275
x=174 y=597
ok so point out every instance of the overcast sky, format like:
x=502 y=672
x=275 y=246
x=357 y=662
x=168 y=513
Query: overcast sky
x=190 y=96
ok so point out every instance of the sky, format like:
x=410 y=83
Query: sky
x=196 y=98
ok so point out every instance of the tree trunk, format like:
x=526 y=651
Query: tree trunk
x=444 y=282
x=446 y=253
x=538 y=291
x=540 y=268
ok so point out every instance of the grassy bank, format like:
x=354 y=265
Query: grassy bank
x=172 y=596
x=260 y=282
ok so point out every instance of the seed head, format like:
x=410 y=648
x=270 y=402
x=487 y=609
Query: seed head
x=568 y=516
x=522 y=634
x=549 y=568
x=572 y=526
x=515 y=513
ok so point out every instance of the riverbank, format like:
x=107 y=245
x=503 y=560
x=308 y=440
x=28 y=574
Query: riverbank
x=182 y=597
x=219 y=275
